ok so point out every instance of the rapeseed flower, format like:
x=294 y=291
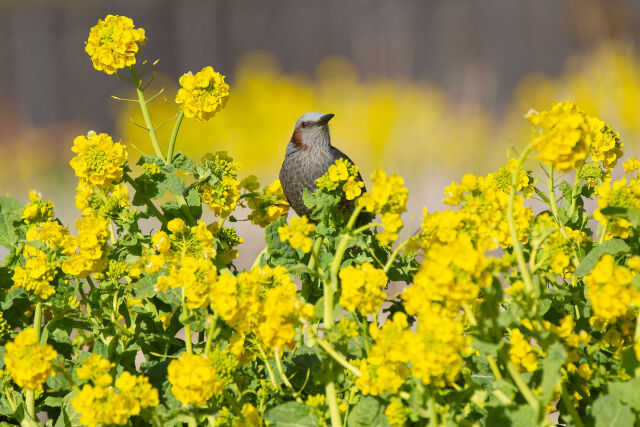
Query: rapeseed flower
x=388 y=195
x=113 y=43
x=397 y=413
x=193 y=379
x=618 y=194
x=37 y=210
x=202 y=95
x=363 y=288
x=342 y=175
x=29 y=362
x=610 y=290
x=99 y=160
x=522 y=353
x=89 y=251
x=268 y=206
x=297 y=233
x=36 y=275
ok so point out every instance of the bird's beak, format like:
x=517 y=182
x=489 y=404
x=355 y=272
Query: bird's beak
x=325 y=119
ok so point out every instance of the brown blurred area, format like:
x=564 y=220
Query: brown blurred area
x=475 y=51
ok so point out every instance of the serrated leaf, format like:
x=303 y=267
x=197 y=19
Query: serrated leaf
x=613 y=247
x=291 y=414
x=10 y=212
x=609 y=411
x=368 y=413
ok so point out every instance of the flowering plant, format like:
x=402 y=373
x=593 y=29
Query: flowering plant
x=505 y=317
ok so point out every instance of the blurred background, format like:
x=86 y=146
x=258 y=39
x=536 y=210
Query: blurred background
x=430 y=89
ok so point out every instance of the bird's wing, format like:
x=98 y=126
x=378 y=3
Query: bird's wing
x=337 y=154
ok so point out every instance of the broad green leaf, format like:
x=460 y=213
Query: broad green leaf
x=10 y=212
x=613 y=247
x=68 y=415
x=556 y=355
x=368 y=413
x=609 y=411
x=291 y=414
x=628 y=392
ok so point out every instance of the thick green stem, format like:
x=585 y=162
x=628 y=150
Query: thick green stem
x=37 y=326
x=174 y=136
x=568 y=404
x=265 y=359
x=338 y=357
x=150 y=206
x=284 y=377
x=332 y=397
x=523 y=387
x=210 y=334
x=394 y=255
x=187 y=325
x=517 y=249
x=145 y=115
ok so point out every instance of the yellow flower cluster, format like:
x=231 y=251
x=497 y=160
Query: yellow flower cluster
x=388 y=197
x=113 y=43
x=99 y=160
x=220 y=194
x=397 y=413
x=567 y=136
x=262 y=301
x=104 y=202
x=344 y=175
x=450 y=276
x=504 y=178
x=268 y=206
x=102 y=403
x=618 y=194
x=483 y=203
x=522 y=353
x=610 y=290
x=554 y=246
x=28 y=362
x=202 y=95
x=363 y=288
x=37 y=273
x=297 y=233
x=193 y=379
x=89 y=250
x=37 y=210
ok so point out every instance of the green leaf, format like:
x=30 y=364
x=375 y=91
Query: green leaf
x=281 y=252
x=368 y=413
x=628 y=392
x=556 y=355
x=609 y=411
x=291 y=414
x=630 y=214
x=613 y=247
x=10 y=212
x=68 y=415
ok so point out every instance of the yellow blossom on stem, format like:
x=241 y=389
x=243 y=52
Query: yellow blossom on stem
x=37 y=273
x=193 y=379
x=37 y=210
x=522 y=353
x=388 y=195
x=363 y=288
x=268 y=206
x=202 y=95
x=297 y=233
x=618 y=194
x=29 y=362
x=113 y=43
x=610 y=290
x=99 y=160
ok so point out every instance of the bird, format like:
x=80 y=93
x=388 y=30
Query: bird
x=308 y=156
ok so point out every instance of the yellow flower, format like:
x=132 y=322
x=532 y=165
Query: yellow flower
x=222 y=196
x=352 y=188
x=610 y=290
x=161 y=242
x=28 y=362
x=268 y=206
x=522 y=353
x=618 y=194
x=37 y=210
x=193 y=379
x=363 y=288
x=202 y=95
x=250 y=417
x=99 y=160
x=392 y=225
x=91 y=245
x=388 y=195
x=113 y=43
x=338 y=171
x=297 y=233
x=397 y=413
x=631 y=165
x=176 y=226
x=97 y=369
x=37 y=273
x=567 y=136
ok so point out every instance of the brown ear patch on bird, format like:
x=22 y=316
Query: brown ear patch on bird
x=296 y=139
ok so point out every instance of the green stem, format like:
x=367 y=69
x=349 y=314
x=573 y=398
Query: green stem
x=332 y=397
x=433 y=416
x=174 y=136
x=554 y=210
x=568 y=404
x=272 y=376
x=394 y=255
x=210 y=334
x=145 y=114
x=517 y=249
x=338 y=357
x=37 y=326
x=523 y=387
x=150 y=206
x=576 y=183
x=184 y=207
x=314 y=259
x=284 y=377
x=187 y=325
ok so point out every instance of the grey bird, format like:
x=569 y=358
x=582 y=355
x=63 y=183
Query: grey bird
x=309 y=156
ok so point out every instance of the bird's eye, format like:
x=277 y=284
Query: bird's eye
x=303 y=124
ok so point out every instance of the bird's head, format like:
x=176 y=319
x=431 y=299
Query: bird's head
x=311 y=131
